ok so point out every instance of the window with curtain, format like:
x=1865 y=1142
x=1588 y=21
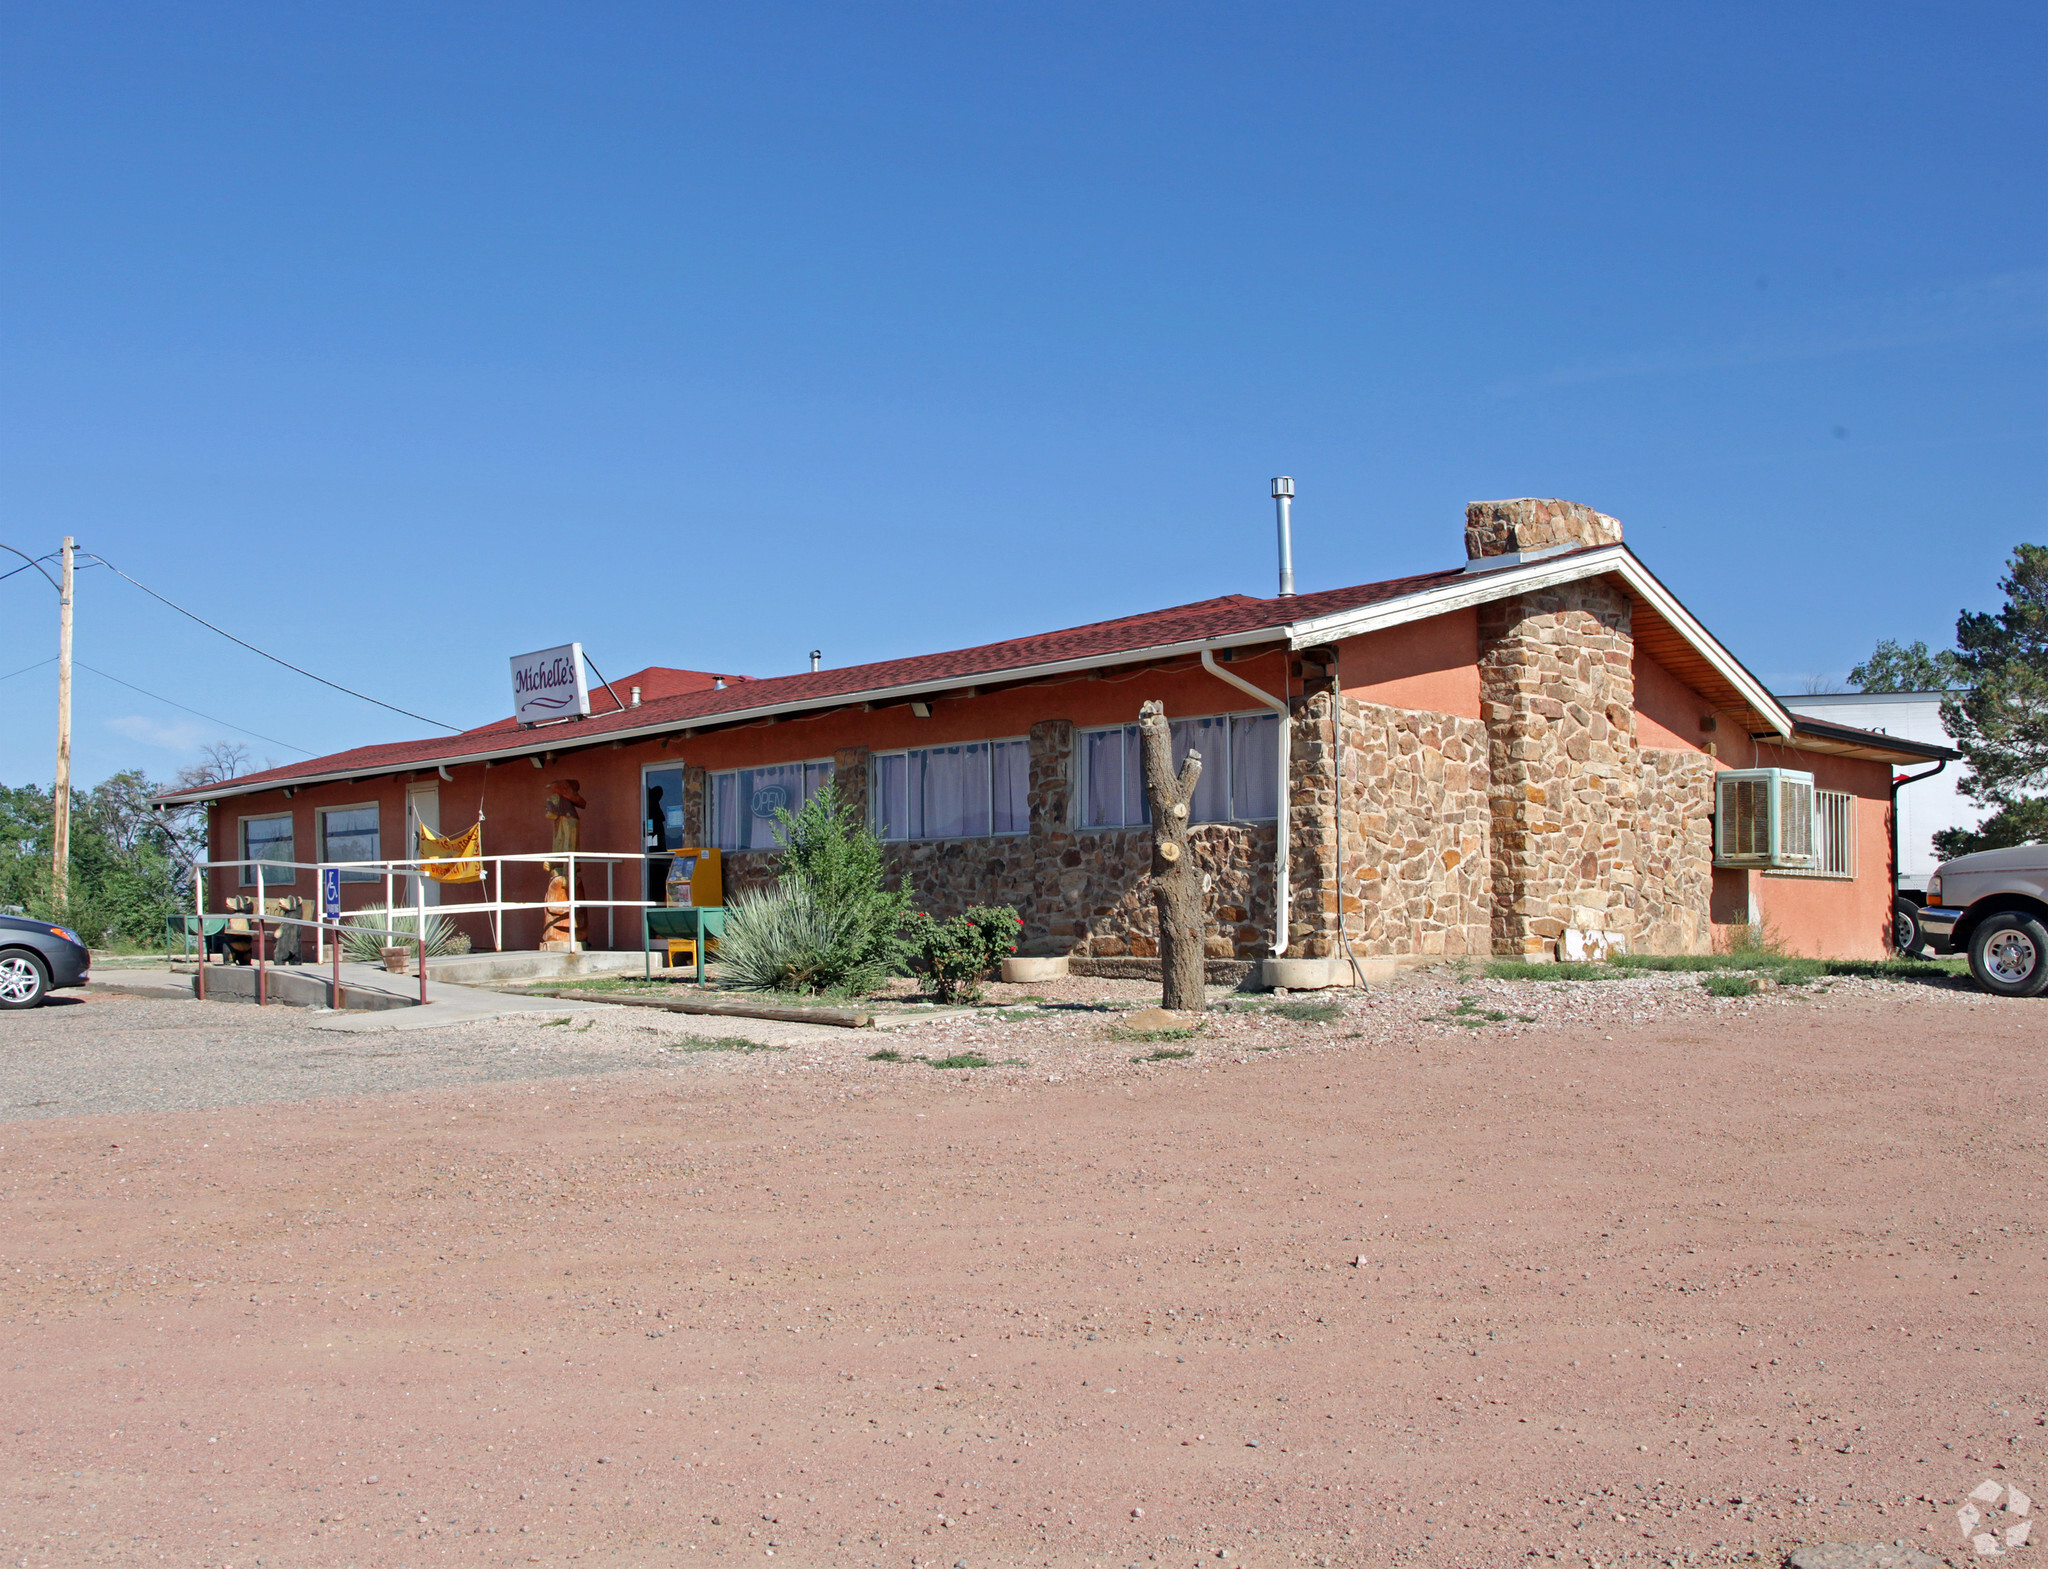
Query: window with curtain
x=974 y=790
x=349 y=833
x=1237 y=784
x=742 y=803
x=268 y=839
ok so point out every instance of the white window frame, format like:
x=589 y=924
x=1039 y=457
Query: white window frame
x=1834 y=839
x=1081 y=823
x=248 y=879
x=320 y=837
x=711 y=780
x=875 y=802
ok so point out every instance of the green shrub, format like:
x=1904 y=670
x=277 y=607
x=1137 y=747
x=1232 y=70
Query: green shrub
x=1729 y=983
x=832 y=855
x=1562 y=970
x=779 y=938
x=839 y=929
x=955 y=956
x=1306 y=1010
x=367 y=947
x=1172 y=1032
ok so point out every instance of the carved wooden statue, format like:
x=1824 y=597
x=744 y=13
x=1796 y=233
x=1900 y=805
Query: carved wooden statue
x=564 y=801
x=1176 y=884
x=563 y=804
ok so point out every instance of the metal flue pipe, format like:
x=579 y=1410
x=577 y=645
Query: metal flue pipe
x=1283 y=505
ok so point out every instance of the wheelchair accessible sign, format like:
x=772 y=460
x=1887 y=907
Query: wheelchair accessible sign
x=330 y=892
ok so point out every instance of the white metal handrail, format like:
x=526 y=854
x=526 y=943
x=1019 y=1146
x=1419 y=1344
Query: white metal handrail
x=414 y=868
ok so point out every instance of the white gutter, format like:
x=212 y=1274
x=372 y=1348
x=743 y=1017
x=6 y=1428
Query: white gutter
x=1281 y=861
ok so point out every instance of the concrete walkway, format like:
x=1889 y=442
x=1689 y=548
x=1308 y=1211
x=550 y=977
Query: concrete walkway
x=375 y=999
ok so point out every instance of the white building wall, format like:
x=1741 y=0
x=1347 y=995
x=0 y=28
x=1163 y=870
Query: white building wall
x=1926 y=807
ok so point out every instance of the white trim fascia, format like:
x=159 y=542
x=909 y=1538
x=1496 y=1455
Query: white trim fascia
x=1483 y=587
x=534 y=743
x=1515 y=558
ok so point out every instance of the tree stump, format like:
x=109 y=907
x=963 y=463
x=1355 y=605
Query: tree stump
x=1176 y=884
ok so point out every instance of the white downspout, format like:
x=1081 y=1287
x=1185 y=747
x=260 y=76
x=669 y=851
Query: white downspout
x=1280 y=848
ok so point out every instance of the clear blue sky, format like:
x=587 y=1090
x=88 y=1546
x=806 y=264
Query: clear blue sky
x=405 y=338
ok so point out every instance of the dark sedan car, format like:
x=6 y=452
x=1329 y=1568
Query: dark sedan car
x=36 y=958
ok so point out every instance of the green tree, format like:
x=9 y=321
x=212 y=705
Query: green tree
x=1909 y=667
x=131 y=864
x=1999 y=718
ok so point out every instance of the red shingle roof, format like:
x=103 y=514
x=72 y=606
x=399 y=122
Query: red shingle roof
x=675 y=698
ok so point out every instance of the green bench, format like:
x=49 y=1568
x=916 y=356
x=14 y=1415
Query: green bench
x=690 y=924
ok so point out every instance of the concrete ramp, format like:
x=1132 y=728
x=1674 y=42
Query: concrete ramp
x=372 y=999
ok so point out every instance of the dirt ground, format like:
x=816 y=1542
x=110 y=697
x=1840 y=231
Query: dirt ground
x=1470 y=1275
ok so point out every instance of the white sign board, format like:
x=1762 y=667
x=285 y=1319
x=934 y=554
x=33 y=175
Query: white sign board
x=549 y=685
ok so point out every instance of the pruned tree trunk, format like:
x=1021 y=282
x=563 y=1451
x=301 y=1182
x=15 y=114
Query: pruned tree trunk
x=1176 y=885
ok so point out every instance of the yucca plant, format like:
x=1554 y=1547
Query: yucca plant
x=782 y=939
x=367 y=947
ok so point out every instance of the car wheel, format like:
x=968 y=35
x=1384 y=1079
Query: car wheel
x=2009 y=955
x=1906 y=935
x=23 y=980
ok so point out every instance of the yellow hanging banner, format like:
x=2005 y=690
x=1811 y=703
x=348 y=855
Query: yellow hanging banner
x=458 y=854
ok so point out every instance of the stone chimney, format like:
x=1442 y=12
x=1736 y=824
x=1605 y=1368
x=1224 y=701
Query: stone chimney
x=1527 y=526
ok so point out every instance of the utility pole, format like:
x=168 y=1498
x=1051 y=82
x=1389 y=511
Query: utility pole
x=60 y=851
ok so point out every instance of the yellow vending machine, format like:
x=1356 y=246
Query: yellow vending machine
x=695 y=916
x=696 y=880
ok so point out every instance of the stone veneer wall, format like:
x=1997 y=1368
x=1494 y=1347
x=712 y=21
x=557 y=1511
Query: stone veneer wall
x=1083 y=892
x=1459 y=836
x=1312 y=848
x=1557 y=687
x=1417 y=869
x=1674 y=837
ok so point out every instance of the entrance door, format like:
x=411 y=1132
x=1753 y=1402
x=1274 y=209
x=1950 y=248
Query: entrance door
x=422 y=810
x=662 y=827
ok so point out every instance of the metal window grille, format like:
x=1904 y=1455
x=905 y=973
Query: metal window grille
x=1834 y=837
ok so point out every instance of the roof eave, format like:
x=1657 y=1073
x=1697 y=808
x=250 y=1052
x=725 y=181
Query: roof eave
x=1846 y=741
x=533 y=748
x=1481 y=588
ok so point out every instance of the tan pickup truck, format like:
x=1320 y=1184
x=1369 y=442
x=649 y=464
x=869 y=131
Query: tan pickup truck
x=1993 y=906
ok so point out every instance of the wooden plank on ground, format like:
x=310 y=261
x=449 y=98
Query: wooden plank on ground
x=841 y=1018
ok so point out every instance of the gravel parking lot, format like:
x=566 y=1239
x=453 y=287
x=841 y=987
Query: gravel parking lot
x=101 y=1054
x=1471 y=1273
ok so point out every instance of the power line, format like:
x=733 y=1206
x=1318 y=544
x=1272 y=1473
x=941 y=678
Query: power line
x=209 y=718
x=25 y=669
x=295 y=669
x=32 y=562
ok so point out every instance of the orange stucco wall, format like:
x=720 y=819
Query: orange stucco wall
x=513 y=794
x=1829 y=918
x=1431 y=665
x=1669 y=713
